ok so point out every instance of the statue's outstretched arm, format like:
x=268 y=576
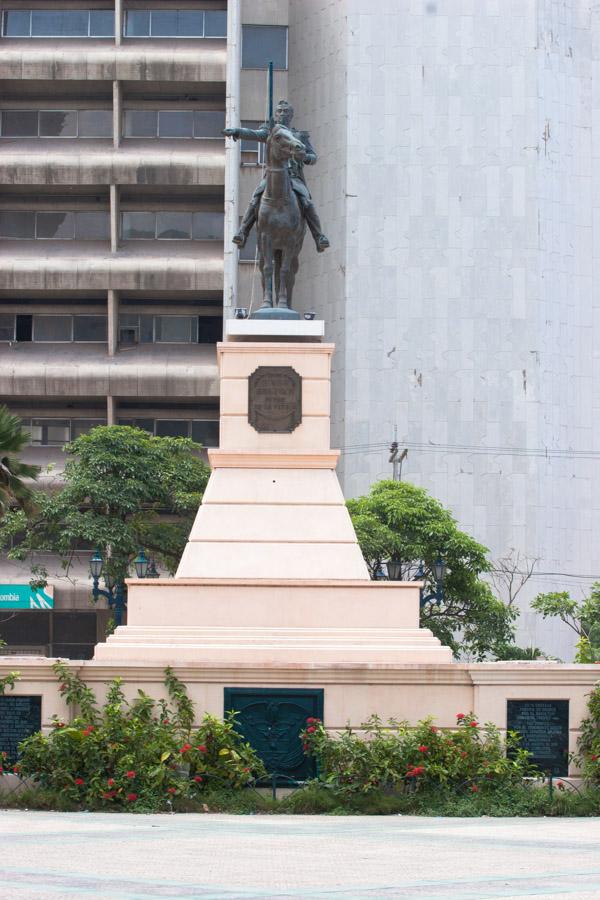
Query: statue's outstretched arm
x=249 y=134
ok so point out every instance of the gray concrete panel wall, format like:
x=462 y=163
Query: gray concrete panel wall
x=461 y=203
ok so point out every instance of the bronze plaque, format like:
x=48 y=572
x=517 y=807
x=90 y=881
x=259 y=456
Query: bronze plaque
x=274 y=399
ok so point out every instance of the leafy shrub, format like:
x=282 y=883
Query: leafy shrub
x=139 y=755
x=589 y=741
x=395 y=756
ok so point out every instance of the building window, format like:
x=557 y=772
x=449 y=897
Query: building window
x=7 y=327
x=53 y=328
x=248 y=251
x=53 y=123
x=57 y=432
x=90 y=329
x=262 y=44
x=175 y=23
x=253 y=152
x=174 y=123
x=61 y=226
x=59 y=23
x=172 y=226
x=147 y=329
x=202 y=431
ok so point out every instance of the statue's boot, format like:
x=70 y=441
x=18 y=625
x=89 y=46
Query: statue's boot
x=314 y=223
x=241 y=235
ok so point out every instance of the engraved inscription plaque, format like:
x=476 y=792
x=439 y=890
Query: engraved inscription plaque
x=20 y=716
x=274 y=399
x=544 y=729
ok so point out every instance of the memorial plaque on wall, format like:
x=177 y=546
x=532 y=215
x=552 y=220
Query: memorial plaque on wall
x=271 y=719
x=19 y=717
x=274 y=399
x=544 y=729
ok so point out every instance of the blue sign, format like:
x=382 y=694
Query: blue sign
x=23 y=596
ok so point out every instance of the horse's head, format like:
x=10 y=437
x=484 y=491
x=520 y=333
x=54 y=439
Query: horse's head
x=283 y=145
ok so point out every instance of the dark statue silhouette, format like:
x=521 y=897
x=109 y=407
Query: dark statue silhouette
x=281 y=207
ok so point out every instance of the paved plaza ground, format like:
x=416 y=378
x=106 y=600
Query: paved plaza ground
x=95 y=855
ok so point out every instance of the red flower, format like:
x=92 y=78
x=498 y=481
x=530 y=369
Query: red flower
x=416 y=770
x=473 y=724
x=202 y=748
x=560 y=785
x=474 y=788
x=198 y=778
x=110 y=782
x=1 y=770
x=79 y=781
x=311 y=729
x=311 y=719
x=171 y=790
x=463 y=754
x=87 y=731
x=63 y=688
x=130 y=774
x=460 y=716
x=245 y=769
x=185 y=748
x=423 y=748
x=434 y=730
x=594 y=757
x=166 y=722
x=16 y=769
x=131 y=797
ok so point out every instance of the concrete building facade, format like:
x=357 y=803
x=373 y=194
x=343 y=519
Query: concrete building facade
x=456 y=184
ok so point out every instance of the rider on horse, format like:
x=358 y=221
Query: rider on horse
x=283 y=116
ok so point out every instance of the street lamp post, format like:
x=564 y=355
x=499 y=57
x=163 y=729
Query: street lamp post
x=115 y=590
x=394 y=569
x=439 y=573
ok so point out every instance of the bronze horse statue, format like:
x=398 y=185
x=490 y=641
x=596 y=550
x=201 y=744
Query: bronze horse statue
x=280 y=224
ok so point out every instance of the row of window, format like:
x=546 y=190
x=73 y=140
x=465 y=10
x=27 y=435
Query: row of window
x=98 y=123
x=133 y=328
x=260 y=43
x=95 y=226
x=46 y=432
x=100 y=23
x=203 y=431
x=175 y=23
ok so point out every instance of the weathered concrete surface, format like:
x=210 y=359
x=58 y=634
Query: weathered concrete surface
x=200 y=61
x=80 y=370
x=79 y=265
x=127 y=857
x=198 y=162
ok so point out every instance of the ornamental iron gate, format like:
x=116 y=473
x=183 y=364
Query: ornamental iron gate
x=271 y=719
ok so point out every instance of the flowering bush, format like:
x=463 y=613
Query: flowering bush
x=396 y=755
x=589 y=741
x=135 y=754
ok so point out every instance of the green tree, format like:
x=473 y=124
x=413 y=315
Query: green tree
x=403 y=522
x=582 y=617
x=13 y=490
x=123 y=489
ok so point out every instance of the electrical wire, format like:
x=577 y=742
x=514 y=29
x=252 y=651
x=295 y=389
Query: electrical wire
x=474 y=450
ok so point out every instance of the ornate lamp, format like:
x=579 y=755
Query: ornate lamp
x=141 y=564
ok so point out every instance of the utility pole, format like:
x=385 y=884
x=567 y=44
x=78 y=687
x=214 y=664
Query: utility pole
x=397 y=460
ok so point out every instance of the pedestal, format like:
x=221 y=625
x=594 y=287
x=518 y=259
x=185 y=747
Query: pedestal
x=272 y=573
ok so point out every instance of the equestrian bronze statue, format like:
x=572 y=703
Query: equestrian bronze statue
x=281 y=207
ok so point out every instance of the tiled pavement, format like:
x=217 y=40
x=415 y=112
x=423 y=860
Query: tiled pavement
x=129 y=857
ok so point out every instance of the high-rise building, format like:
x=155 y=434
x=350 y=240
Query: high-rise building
x=455 y=181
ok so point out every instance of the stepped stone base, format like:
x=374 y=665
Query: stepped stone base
x=200 y=621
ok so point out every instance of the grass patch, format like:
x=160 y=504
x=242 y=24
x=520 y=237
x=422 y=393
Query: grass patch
x=315 y=799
